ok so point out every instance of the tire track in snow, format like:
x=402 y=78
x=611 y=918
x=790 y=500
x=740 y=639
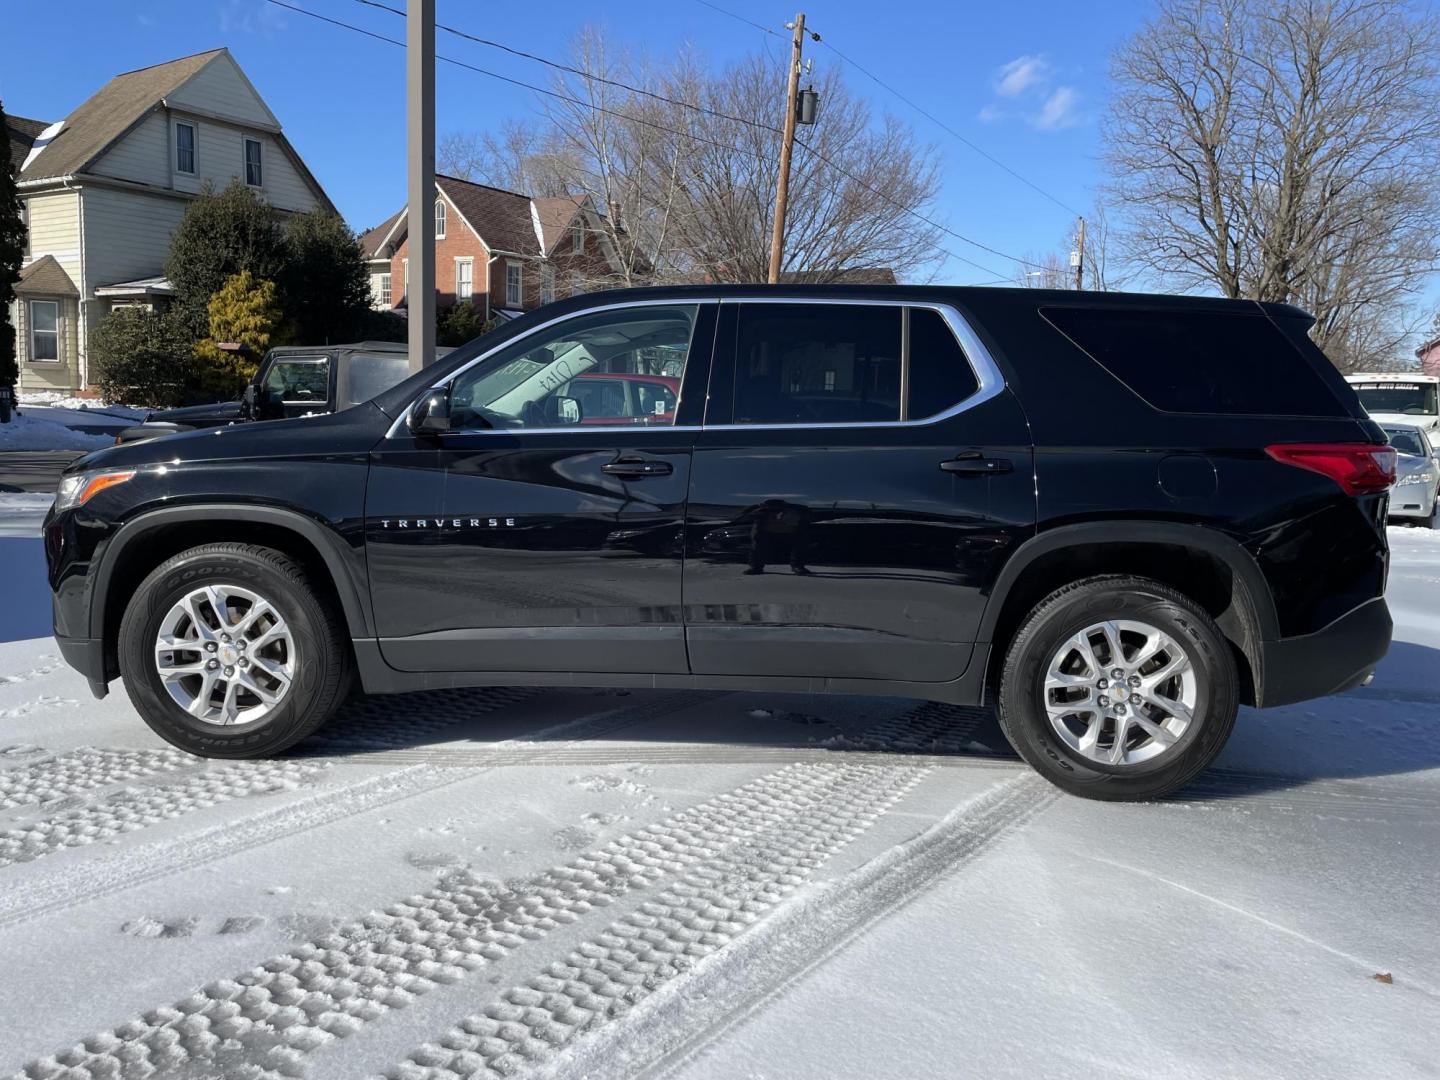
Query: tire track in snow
x=694 y=1008
x=382 y=721
x=266 y=1021
x=702 y=912
x=42 y=894
x=82 y=770
x=135 y=808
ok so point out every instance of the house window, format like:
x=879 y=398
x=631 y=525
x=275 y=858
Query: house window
x=577 y=239
x=464 y=278
x=385 y=290
x=514 y=293
x=576 y=286
x=407 y=277
x=185 y=148
x=439 y=220
x=547 y=284
x=252 y=162
x=45 y=330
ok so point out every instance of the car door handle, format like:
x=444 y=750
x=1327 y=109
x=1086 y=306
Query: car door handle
x=974 y=463
x=636 y=468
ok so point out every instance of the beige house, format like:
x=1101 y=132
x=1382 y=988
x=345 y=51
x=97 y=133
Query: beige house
x=103 y=190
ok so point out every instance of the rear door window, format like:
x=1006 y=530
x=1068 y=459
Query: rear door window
x=1201 y=361
x=817 y=364
x=824 y=363
x=374 y=373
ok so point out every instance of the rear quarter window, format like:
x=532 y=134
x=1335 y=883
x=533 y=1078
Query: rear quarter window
x=1202 y=361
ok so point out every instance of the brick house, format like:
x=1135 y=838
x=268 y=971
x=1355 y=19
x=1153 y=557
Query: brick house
x=1429 y=357
x=505 y=252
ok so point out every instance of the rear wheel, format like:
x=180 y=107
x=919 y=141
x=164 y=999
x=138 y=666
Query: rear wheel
x=228 y=650
x=1118 y=688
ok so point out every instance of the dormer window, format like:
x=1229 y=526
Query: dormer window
x=439 y=219
x=577 y=239
x=185 y=148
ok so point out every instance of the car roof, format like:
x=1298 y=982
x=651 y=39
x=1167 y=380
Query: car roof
x=964 y=294
x=1391 y=376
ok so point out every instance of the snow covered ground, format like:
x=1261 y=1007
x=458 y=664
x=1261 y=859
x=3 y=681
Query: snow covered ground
x=34 y=430
x=704 y=885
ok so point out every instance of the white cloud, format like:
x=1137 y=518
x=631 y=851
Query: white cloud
x=1020 y=74
x=1061 y=110
x=992 y=114
x=250 y=17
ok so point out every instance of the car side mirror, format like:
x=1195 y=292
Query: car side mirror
x=248 y=399
x=430 y=416
x=561 y=410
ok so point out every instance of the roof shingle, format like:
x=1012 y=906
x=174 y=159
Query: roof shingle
x=45 y=277
x=109 y=113
x=21 y=134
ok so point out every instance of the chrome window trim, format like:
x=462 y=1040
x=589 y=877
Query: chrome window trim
x=990 y=382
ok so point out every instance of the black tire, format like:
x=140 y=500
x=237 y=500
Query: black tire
x=1068 y=611
x=323 y=671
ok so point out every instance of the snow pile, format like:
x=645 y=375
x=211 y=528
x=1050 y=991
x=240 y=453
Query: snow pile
x=25 y=432
x=56 y=400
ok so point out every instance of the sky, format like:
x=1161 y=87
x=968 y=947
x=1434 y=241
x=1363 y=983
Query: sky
x=1025 y=82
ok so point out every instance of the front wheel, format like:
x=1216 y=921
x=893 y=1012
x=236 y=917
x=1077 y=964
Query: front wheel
x=229 y=651
x=1118 y=688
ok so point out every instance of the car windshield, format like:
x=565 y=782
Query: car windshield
x=1402 y=398
x=1406 y=442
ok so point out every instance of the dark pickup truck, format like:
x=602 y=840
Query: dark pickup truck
x=293 y=380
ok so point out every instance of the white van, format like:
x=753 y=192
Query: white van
x=1400 y=398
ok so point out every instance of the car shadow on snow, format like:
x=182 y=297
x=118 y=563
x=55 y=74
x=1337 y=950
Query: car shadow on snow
x=1387 y=729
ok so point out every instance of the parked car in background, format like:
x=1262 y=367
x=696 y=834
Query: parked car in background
x=1417 y=479
x=622 y=397
x=1400 y=398
x=293 y=380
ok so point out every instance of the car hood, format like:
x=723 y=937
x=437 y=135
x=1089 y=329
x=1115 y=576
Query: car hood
x=353 y=431
x=1426 y=424
x=1409 y=464
x=215 y=412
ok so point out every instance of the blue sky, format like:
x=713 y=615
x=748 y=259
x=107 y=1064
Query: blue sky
x=1025 y=81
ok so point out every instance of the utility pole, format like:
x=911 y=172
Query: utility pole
x=787 y=143
x=1080 y=257
x=420 y=173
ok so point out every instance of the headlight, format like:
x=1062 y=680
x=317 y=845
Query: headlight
x=79 y=488
x=1415 y=478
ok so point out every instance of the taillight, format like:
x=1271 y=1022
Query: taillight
x=1359 y=468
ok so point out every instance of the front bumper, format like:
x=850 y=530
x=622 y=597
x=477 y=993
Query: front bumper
x=1329 y=661
x=87 y=656
x=1412 y=501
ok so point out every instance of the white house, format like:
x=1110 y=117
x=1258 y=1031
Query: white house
x=103 y=190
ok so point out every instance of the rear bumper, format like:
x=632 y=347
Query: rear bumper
x=87 y=656
x=1329 y=661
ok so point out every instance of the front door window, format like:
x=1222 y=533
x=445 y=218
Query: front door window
x=300 y=380
x=556 y=378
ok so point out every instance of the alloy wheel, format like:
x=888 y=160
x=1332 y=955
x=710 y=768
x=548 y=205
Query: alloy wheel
x=225 y=655
x=1121 y=693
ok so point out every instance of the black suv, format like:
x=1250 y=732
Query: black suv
x=1123 y=516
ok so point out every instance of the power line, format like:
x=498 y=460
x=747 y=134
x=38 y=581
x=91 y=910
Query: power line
x=951 y=131
x=588 y=75
x=914 y=105
x=740 y=18
x=673 y=131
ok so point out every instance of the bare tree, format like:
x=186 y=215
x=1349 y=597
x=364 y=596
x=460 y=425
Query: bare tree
x=1288 y=151
x=687 y=193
